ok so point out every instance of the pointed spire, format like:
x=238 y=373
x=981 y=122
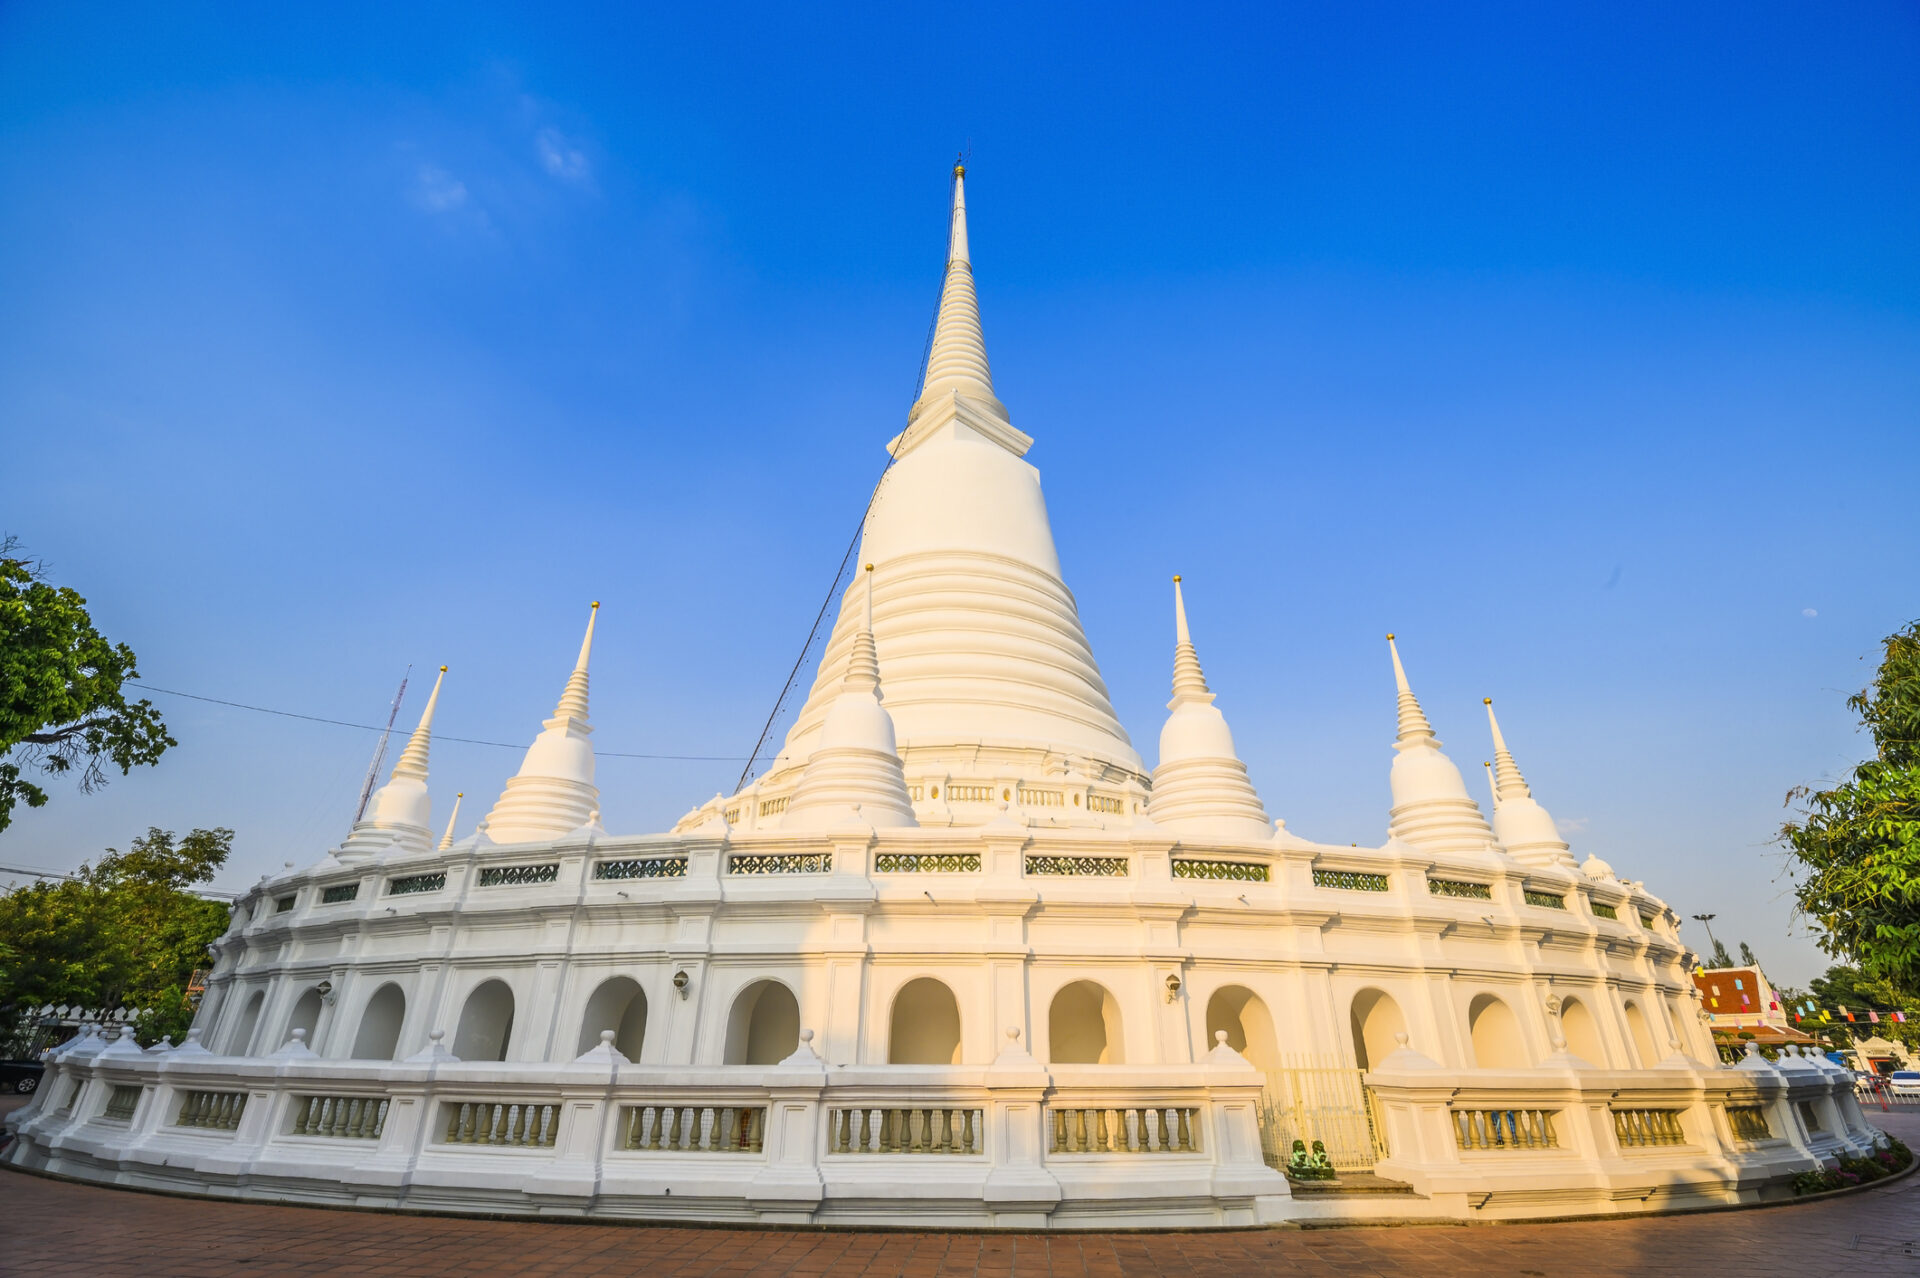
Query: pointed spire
x=1510 y=784
x=413 y=760
x=1189 y=681
x=863 y=664
x=553 y=792
x=446 y=840
x=1493 y=786
x=1414 y=728
x=1201 y=789
x=957 y=360
x=573 y=699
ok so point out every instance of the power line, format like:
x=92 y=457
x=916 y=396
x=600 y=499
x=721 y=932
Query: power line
x=369 y=727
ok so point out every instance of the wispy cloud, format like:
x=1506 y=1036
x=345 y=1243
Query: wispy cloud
x=1571 y=825
x=560 y=157
x=437 y=191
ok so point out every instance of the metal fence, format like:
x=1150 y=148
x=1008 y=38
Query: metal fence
x=1311 y=1098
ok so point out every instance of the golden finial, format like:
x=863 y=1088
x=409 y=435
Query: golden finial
x=596 y=603
x=1486 y=701
x=1389 y=638
x=1176 y=577
x=459 y=794
x=869 y=567
x=443 y=669
x=959 y=169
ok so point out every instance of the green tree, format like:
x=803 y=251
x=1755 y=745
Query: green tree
x=1746 y=956
x=63 y=704
x=1860 y=993
x=1720 y=957
x=126 y=932
x=1856 y=847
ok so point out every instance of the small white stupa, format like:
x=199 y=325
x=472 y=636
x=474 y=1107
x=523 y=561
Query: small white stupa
x=554 y=792
x=397 y=817
x=855 y=770
x=1431 y=807
x=1201 y=788
x=1523 y=826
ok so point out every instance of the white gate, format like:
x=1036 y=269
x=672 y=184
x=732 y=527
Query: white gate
x=1313 y=1098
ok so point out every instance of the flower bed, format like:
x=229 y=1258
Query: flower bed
x=1891 y=1157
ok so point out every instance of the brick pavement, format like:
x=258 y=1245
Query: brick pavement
x=50 y=1227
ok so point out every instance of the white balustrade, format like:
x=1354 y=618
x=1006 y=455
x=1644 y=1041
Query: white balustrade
x=919 y=1129
x=501 y=1123
x=1085 y=1129
x=695 y=1129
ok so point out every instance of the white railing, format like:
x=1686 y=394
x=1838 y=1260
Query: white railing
x=1019 y=1144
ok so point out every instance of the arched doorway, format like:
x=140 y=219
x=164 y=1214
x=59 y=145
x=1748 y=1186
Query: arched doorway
x=1083 y=1026
x=1642 y=1036
x=925 y=1026
x=1497 y=1043
x=1582 y=1032
x=241 y=1038
x=1249 y=1025
x=619 y=1005
x=306 y=1016
x=486 y=1023
x=379 y=1036
x=1376 y=1024
x=764 y=1028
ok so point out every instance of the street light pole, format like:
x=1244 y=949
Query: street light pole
x=1706 y=921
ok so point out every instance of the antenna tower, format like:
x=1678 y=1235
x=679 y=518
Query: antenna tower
x=380 y=751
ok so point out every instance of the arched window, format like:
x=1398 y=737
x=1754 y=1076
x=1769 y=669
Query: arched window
x=1642 y=1036
x=925 y=1028
x=241 y=1038
x=486 y=1023
x=1249 y=1025
x=306 y=1016
x=1376 y=1023
x=379 y=1036
x=619 y=1005
x=764 y=1028
x=1496 y=1035
x=1083 y=1027
x=1583 y=1033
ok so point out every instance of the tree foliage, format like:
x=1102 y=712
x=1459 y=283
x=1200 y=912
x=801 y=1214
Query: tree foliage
x=63 y=704
x=126 y=932
x=1856 y=846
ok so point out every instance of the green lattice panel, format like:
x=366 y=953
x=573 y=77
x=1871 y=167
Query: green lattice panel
x=1231 y=871
x=1350 y=880
x=1460 y=888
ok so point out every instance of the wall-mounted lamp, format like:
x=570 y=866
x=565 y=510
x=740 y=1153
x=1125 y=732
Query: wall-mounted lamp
x=1173 y=986
x=325 y=990
x=682 y=982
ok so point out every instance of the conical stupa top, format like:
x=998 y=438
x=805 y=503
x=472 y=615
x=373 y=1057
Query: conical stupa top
x=957 y=360
x=1414 y=728
x=413 y=760
x=863 y=664
x=1508 y=783
x=1189 y=681
x=446 y=840
x=1492 y=785
x=573 y=699
x=553 y=792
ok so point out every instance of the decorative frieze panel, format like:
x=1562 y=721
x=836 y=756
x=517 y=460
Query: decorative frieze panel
x=342 y=1117
x=905 y=1130
x=926 y=863
x=414 y=883
x=214 y=1111
x=1106 y=803
x=695 y=1129
x=502 y=1123
x=642 y=867
x=1646 y=921
x=1602 y=910
x=969 y=794
x=1504 y=1129
x=773 y=807
x=339 y=894
x=1460 y=888
x=1231 y=871
x=519 y=875
x=780 y=863
x=281 y=904
x=1108 y=867
x=1083 y=1130
x=121 y=1102
x=1749 y=1122
x=1042 y=798
x=1350 y=880
x=1545 y=900
x=1646 y=1128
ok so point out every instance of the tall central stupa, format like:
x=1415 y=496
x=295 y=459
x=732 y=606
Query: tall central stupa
x=981 y=652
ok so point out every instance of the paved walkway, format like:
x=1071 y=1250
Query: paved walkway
x=50 y=1227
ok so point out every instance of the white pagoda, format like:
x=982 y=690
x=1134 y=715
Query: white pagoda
x=958 y=958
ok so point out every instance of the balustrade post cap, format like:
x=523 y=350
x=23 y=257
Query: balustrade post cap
x=1013 y=1032
x=1219 y=1036
x=436 y=1035
x=299 y=1036
x=606 y=1036
x=806 y=1035
x=1401 y=1039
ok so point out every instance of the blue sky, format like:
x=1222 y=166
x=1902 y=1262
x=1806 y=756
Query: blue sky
x=1580 y=347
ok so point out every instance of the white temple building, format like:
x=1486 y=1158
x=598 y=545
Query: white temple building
x=959 y=957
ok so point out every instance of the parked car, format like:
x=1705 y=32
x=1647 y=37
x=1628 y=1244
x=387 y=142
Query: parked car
x=24 y=1076
x=1904 y=1082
